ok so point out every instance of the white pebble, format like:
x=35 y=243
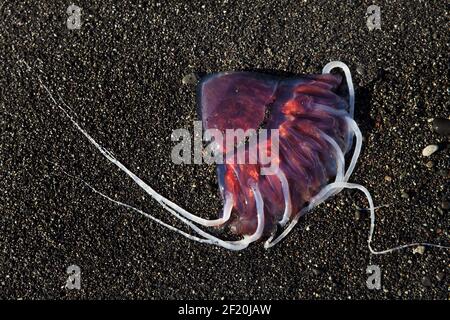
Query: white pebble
x=419 y=250
x=429 y=150
x=190 y=78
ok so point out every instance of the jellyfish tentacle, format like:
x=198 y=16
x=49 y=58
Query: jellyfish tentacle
x=271 y=241
x=239 y=244
x=145 y=214
x=341 y=114
x=347 y=185
x=355 y=129
x=228 y=206
x=243 y=243
x=339 y=155
x=287 y=198
x=260 y=214
x=357 y=133
x=348 y=77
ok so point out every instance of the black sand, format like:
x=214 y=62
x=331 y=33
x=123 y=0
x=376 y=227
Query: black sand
x=121 y=73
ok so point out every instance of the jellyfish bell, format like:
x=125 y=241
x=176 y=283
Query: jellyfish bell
x=313 y=135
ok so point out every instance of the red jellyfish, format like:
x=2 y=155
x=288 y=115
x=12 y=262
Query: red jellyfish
x=313 y=127
x=309 y=128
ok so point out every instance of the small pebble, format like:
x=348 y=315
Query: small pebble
x=405 y=195
x=441 y=126
x=357 y=215
x=445 y=205
x=388 y=178
x=426 y=282
x=190 y=78
x=419 y=250
x=430 y=164
x=429 y=150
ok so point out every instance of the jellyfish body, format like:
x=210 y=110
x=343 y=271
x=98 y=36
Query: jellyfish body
x=315 y=129
x=313 y=134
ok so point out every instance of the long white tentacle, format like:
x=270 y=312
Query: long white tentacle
x=347 y=185
x=348 y=77
x=287 y=197
x=171 y=207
